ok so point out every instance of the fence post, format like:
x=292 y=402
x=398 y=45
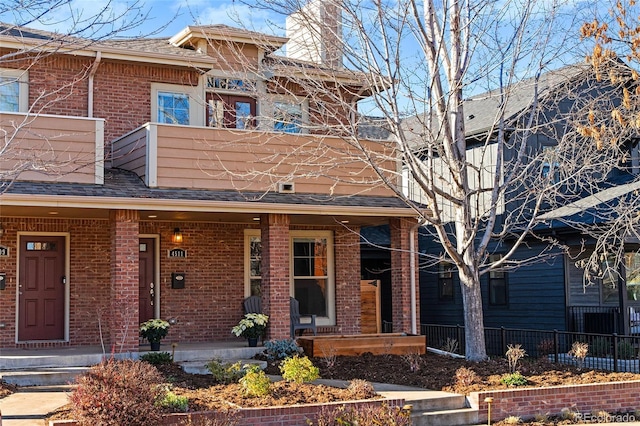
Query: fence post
x=556 y=346
x=615 y=352
x=503 y=339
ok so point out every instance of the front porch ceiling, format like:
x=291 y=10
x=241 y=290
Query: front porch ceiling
x=187 y=216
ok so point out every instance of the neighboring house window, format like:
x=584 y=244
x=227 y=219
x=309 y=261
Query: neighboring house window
x=312 y=282
x=13 y=90
x=176 y=104
x=445 y=281
x=610 y=278
x=288 y=117
x=550 y=165
x=498 y=292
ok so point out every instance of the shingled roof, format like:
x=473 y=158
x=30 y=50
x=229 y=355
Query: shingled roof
x=124 y=184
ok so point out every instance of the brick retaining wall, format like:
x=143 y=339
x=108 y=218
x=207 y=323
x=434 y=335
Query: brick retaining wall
x=526 y=403
x=272 y=416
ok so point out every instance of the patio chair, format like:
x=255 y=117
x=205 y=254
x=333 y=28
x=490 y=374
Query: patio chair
x=295 y=320
x=252 y=305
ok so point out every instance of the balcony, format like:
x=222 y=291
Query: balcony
x=39 y=147
x=174 y=156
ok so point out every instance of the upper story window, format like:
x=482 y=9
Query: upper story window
x=173 y=108
x=230 y=103
x=550 y=165
x=176 y=104
x=288 y=117
x=498 y=294
x=13 y=90
x=445 y=281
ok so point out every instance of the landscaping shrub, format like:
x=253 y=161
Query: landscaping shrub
x=157 y=358
x=174 y=403
x=361 y=389
x=255 y=382
x=513 y=379
x=514 y=354
x=466 y=377
x=118 y=393
x=281 y=349
x=600 y=347
x=363 y=416
x=579 y=351
x=299 y=369
x=225 y=373
x=626 y=350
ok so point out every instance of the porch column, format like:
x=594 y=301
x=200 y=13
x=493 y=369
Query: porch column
x=401 y=274
x=347 y=270
x=274 y=230
x=124 y=316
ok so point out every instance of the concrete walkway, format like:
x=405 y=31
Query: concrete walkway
x=30 y=405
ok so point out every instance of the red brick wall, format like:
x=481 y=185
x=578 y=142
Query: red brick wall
x=211 y=302
x=275 y=274
x=526 y=403
x=401 y=274
x=206 y=309
x=123 y=328
x=347 y=268
x=89 y=255
x=122 y=91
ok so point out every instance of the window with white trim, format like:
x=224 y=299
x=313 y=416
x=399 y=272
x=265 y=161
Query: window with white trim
x=311 y=271
x=14 y=91
x=288 y=117
x=175 y=104
x=253 y=259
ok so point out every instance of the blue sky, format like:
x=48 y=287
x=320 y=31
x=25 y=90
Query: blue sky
x=169 y=15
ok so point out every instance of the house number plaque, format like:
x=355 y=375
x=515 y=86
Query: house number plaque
x=177 y=252
x=4 y=251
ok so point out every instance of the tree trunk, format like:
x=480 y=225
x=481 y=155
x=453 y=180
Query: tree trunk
x=475 y=349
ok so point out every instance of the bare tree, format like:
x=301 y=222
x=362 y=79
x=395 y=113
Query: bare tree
x=416 y=65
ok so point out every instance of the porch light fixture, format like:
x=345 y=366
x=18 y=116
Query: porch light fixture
x=177 y=236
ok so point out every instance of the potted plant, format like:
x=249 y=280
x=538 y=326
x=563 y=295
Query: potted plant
x=154 y=330
x=252 y=327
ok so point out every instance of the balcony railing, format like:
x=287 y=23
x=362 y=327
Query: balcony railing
x=175 y=156
x=43 y=147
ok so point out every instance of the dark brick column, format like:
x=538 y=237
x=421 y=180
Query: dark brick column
x=123 y=319
x=347 y=268
x=275 y=273
x=401 y=274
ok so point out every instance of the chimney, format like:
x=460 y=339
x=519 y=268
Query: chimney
x=315 y=33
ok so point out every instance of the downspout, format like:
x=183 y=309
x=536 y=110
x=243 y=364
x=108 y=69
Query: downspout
x=92 y=73
x=412 y=271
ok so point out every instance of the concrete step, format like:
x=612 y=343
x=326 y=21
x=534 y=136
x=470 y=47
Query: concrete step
x=53 y=376
x=436 y=401
x=457 y=417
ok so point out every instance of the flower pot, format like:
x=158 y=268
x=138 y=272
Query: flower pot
x=253 y=342
x=155 y=346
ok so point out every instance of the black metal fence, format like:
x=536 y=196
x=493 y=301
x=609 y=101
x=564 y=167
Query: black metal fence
x=605 y=351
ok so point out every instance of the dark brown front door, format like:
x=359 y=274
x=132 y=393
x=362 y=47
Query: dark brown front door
x=41 y=293
x=148 y=286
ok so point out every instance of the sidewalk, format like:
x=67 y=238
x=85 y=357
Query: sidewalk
x=30 y=405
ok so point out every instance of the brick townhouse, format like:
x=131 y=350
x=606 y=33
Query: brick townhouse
x=172 y=178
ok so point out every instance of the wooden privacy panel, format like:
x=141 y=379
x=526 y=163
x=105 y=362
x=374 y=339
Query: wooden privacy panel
x=370 y=319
